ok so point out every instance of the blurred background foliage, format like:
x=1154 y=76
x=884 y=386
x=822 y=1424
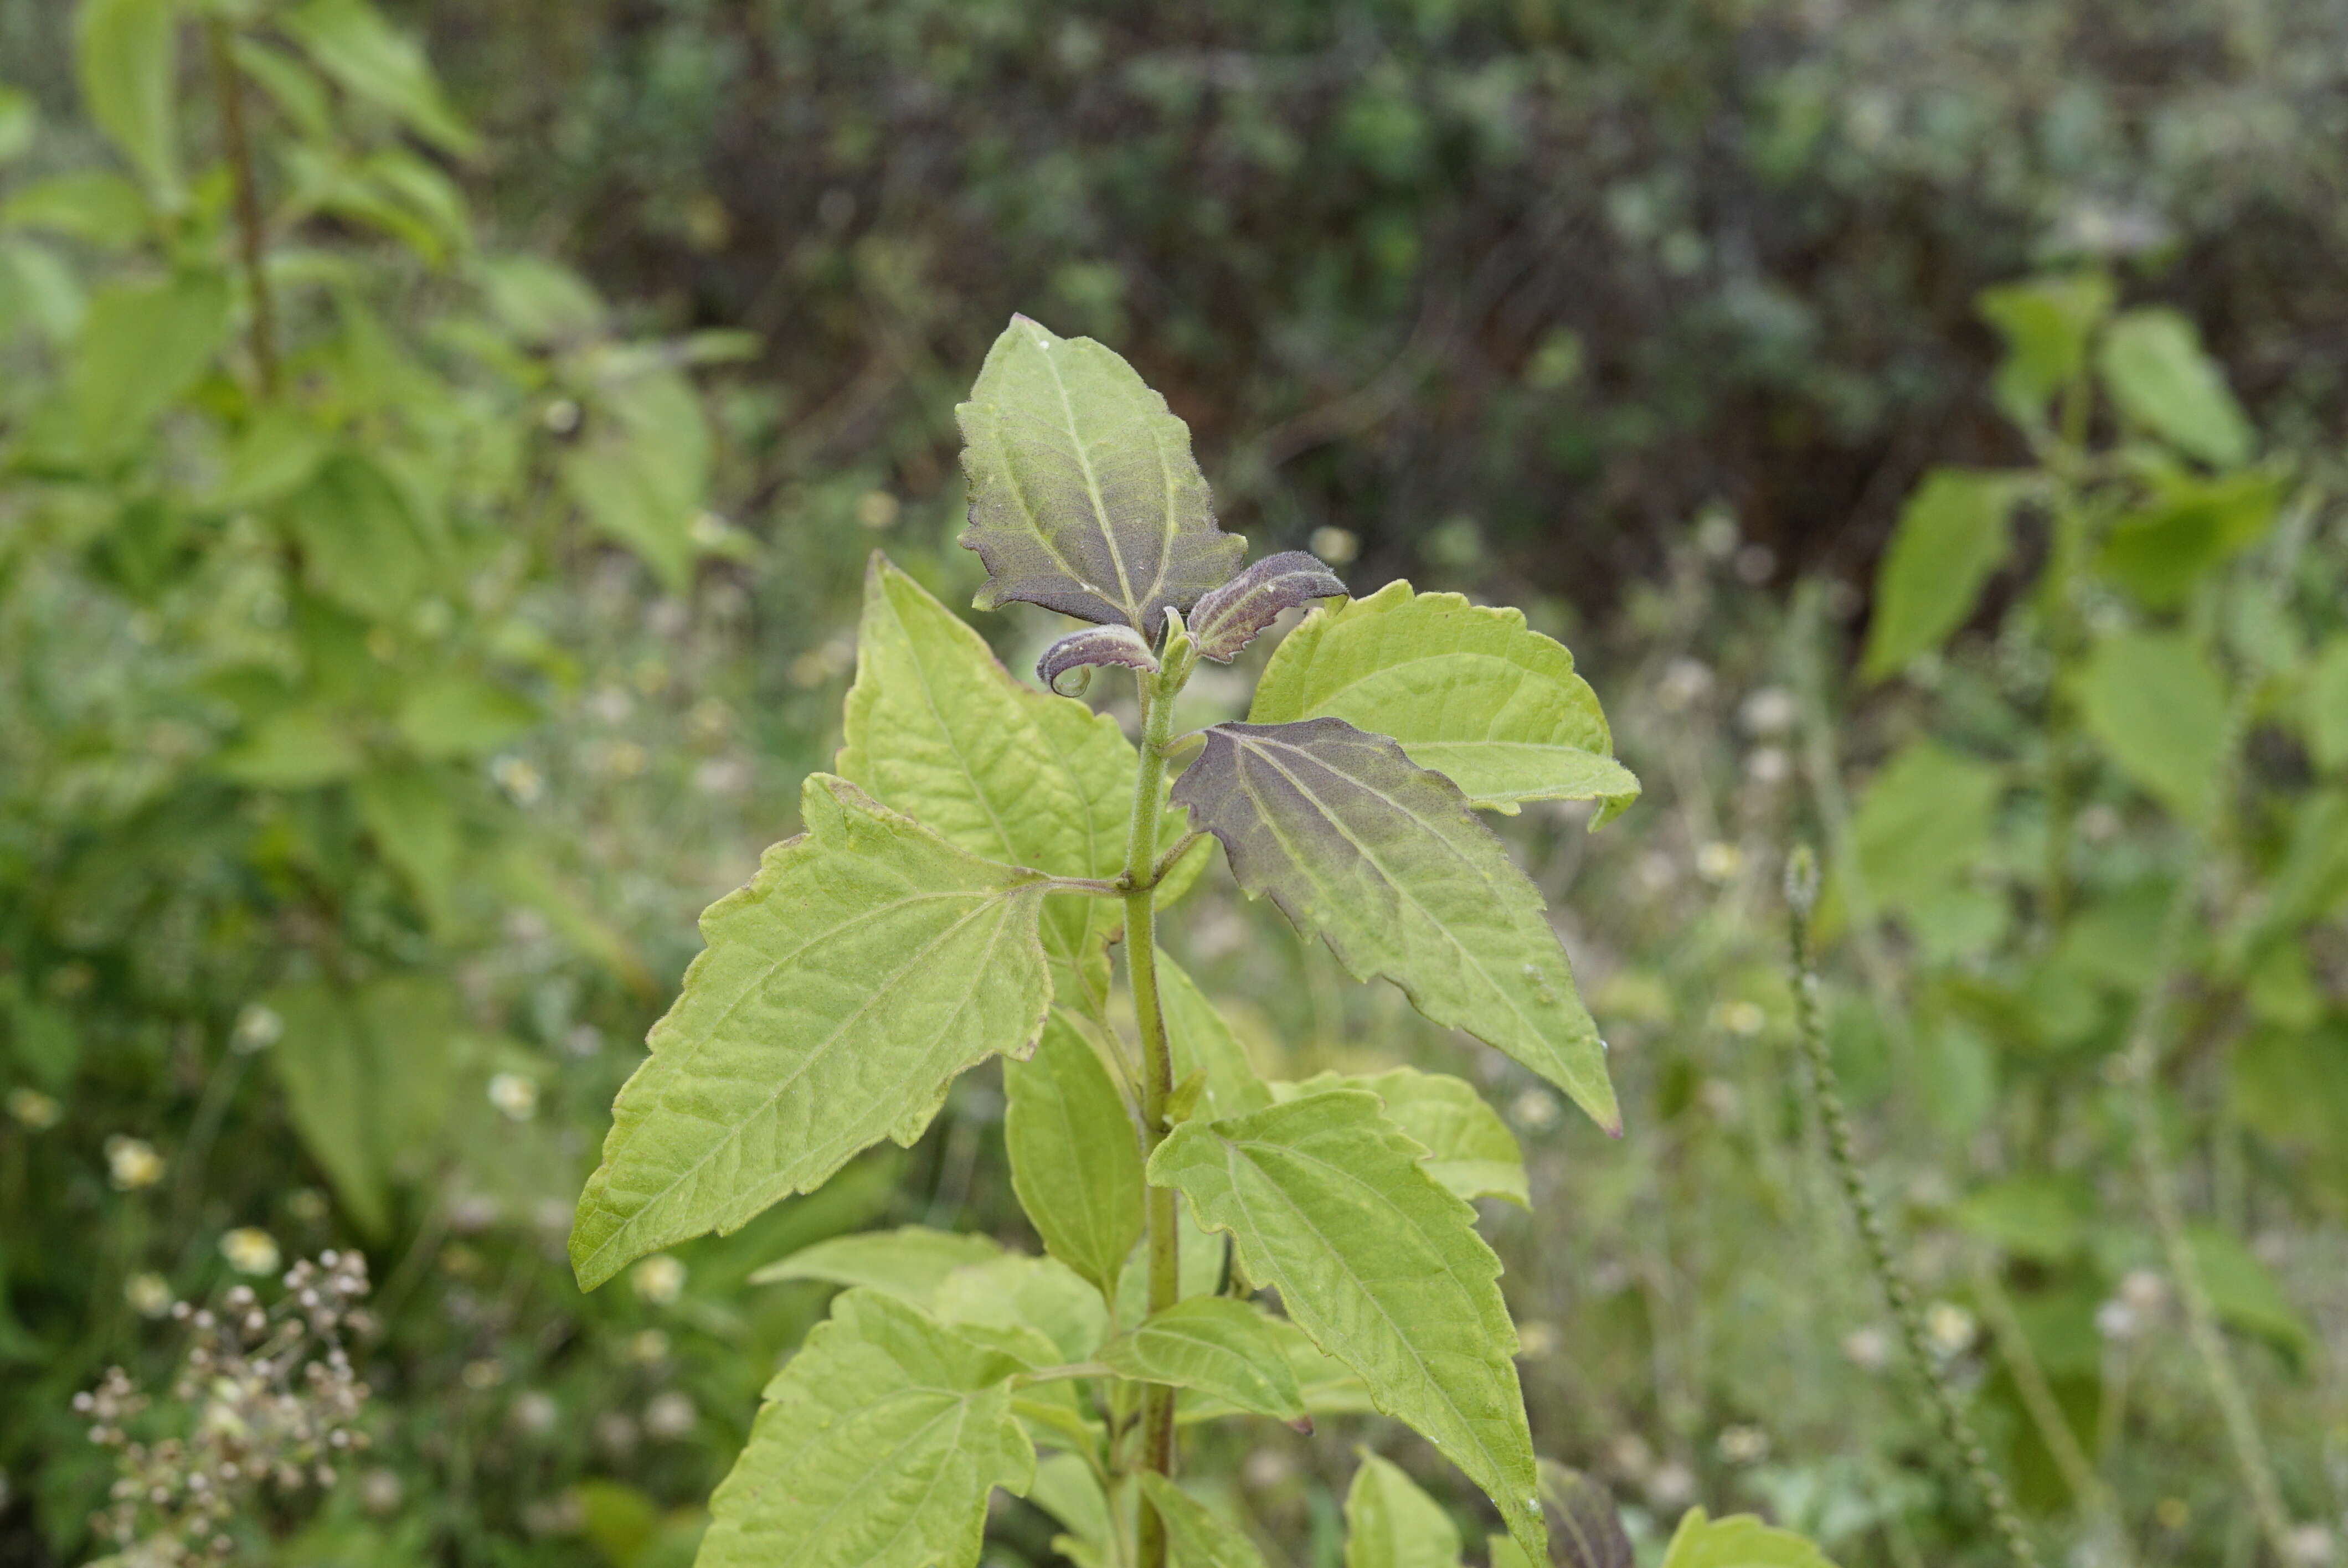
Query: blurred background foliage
x=388 y=685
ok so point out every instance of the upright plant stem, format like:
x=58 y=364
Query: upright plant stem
x=1156 y=1073
x=251 y=235
x=1801 y=892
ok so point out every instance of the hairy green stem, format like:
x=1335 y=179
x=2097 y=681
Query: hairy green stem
x=1141 y=871
x=1801 y=890
x=251 y=233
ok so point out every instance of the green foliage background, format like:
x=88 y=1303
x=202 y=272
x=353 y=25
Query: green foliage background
x=348 y=881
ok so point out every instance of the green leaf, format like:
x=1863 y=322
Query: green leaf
x=2159 y=708
x=126 y=57
x=1076 y=1155
x=2245 y=1292
x=2047 y=323
x=2154 y=367
x=1924 y=822
x=409 y=815
x=141 y=346
x=360 y=543
x=20 y=118
x=876 y=1447
x=273 y=455
x=366 y=1074
x=1227 y=619
x=41 y=1037
x=1470 y=691
x=841 y=992
x=1038 y=1297
x=1068 y=1489
x=299 y=748
x=38 y=287
x=1329 y=1204
x=2194 y=526
x=2042 y=1218
x=452 y=714
x=1391 y=1524
x=103 y=209
x=1740 y=1540
x=909 y=1263
x=1384 y=860
x=1084 y=496
x=1196 y=1535
x=2327 y=705
x=1199 y=1042
x=352 y=43
x=937 y=728
x=1953 y=534
x=1219 y=1346
x=1470 y=1149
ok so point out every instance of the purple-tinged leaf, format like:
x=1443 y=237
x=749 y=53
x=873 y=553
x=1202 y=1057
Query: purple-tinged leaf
x=1084 y=495
x=1385 y=861
x=1585 y=1529
x=1112 y=644
x=1228 y=618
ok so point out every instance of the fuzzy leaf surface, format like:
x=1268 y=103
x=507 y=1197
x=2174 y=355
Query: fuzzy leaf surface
x=1470 y=692
x=865 y=967
x=1470 y=1149
x=1089 y=648
x=1391 y=1524
x=1383 y=859
x=910 y=1262
x=1227 y=619
x=876 y=1447
x=1084 y=495
x=938 y=729
x=1328 y=1202
x=1076 y=1155
x=1219 y=1346
x=1197 y=1537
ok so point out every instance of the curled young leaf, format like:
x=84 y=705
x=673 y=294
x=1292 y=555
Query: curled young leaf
x=1228 y=618
x=1084 y=496
x=1111 y=644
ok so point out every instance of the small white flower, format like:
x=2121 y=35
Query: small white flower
x=877 y=509
x=1769 y=710
x=523 y=783
x=2115 y=1320
x=1685 y=681
x=34 y=1111
x=1743 y=1444
x=1768 y=765
x=670 y=1415
x=1336 y=545
x=250 y=1250
x=1950 y=1326
x=659 y=1279
x=535 y=1412
x=132 y=1163
x=1718 y=862
x=2144 y=1289
x=257 y=1029
x=515 y=1095
x=1743 y=1017
x=1869 y=1350
x=149 y=1294
x=1534 y=1110
x=482 y=1375
x=648 y=1346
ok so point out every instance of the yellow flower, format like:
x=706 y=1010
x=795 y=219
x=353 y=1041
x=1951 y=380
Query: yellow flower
x=35 y=1111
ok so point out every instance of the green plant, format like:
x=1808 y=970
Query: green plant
x=2171 y=675
x=954 y=898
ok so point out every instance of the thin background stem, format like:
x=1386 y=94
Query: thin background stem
x=251 y=235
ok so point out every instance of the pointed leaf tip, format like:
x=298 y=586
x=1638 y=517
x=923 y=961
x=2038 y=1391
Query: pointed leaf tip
x=1228 y=618
x=1083 y=494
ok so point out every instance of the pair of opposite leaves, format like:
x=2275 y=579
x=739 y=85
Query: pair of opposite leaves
x=875 y=958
